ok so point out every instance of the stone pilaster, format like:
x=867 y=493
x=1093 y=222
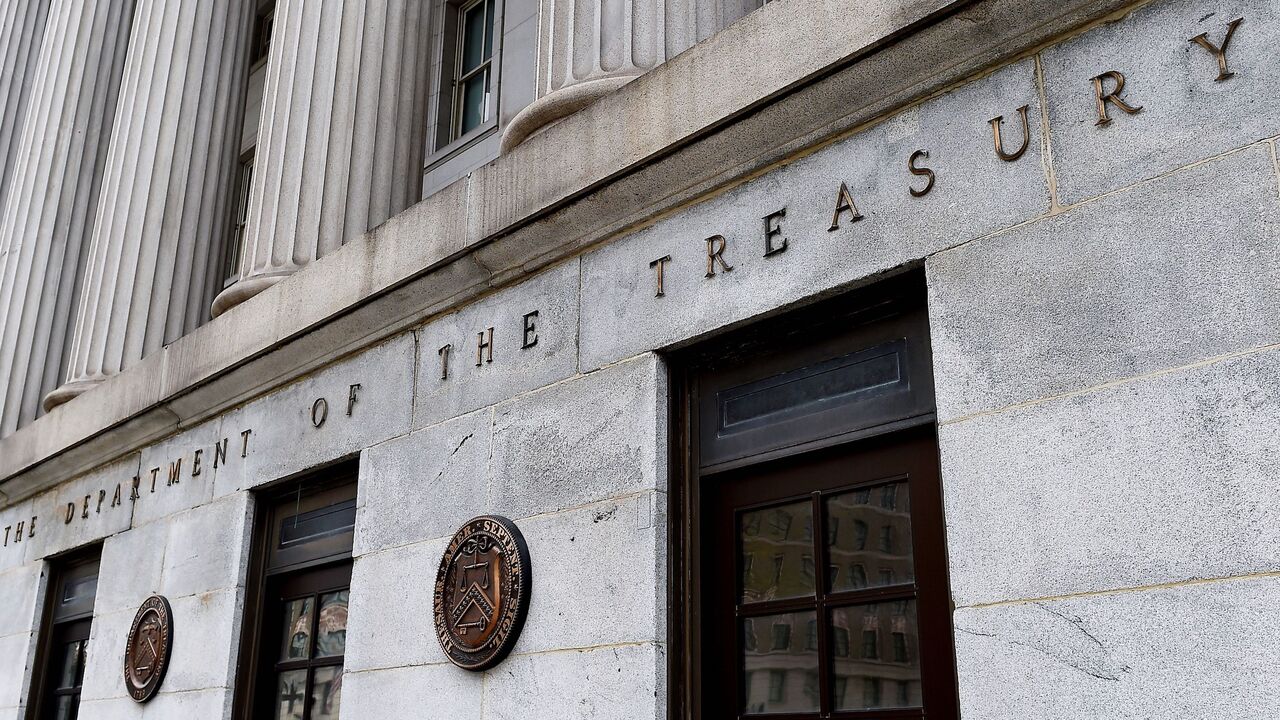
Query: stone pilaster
x=341 y=139
x=22 y=24
x=589 y=48
x=55 y=170
x=165 y=203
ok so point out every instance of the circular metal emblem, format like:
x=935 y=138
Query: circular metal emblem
x=482 y=592
x=146 y=651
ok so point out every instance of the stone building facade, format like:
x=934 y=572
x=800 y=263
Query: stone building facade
x=910 y=358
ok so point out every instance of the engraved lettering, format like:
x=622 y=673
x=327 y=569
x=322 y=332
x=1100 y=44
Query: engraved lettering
x=484 y=348
x=1001 y=153
x=1219 y=53
x=844 y=204
x=922 y=172
x=444 y=361
x=660 y=264
x=351 y=397
x=319 y=412
x=716 y=245
x=1112 y=96
x=772 y=230
x=530 y=330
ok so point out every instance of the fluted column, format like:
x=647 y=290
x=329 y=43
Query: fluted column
x=22 y=24
x=165 y=203
x=589 y=48
x=55 y=178
x=342 y=133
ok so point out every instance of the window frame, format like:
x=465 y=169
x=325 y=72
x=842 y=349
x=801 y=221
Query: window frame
x=59 y=627
x=443 y=143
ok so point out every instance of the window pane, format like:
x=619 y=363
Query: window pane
x=883 y=669
x=72 y=665
x=777 y=552
x=488 y=29
x=291 y=695
x=326 y=696
x=473 y=38
x=780 y=671
x=66 y=708
x=869 y=532
x=475 y=101
x=297 y=630
x=331 y=638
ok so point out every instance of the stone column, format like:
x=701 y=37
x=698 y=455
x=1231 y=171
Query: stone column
x=166 y=199
x=55 y=172
x=22 y=24
x=342 y=134
x=589 y=48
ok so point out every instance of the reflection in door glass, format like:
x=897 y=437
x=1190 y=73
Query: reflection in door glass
x=780 y=667
x=777 y=552
x=870 y=529
x=880 y=667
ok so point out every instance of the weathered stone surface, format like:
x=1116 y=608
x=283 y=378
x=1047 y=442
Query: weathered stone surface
x=13 y=552
x=597 y=436
x=424 y=485
x=1205 y=651
x=173 y=462
x=20 y=587
x=514 y=369
x=284 y=438
x=598 y=578
x=208 y=547
x=1169 y=273
x=17 y=650
x=609 y=683
x=1157 y=480
x=394 y=632
x=1186 y=114
x=212 y=703
x=80 y=511
x=131 y=568
x=432 y=692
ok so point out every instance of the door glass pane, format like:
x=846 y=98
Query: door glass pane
x=72 y=665
x=869 y=538
x=877 y=658
x=780 y=667
x=777 y=552
x=327 y=693
x=291 y=695
x=65 y=708
x=297 y=629
x=475 y=98
x=331 y=637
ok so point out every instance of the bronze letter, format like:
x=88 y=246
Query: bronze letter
x=716 y=245
x=133 y=492
x=530 y=330
x=102 y=497
x=115 y=499
x=772 y=229
x=660 y=263
x=923 y=172
x=71 y=513
x=220 y=453
x=7 y=528
x=17 y=531
x=84 y=514
x=244 y=448
x=31 y=529
x=175 y=472
x=351 y=397
x=195 y=463
x=844 y=203
x=154 y=473
x=484 y=350
x=1104 y=97
x=319 y=412
x=1219 y=52
x=1026 y=136
x=444 y=361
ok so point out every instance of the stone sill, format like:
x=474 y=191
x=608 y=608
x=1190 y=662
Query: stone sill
x=832 y=65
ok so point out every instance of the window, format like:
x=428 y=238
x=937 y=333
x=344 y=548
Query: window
x=235 y=244
x=822 y=422
x=468 y=81
x=65 y=637
x=297 y=638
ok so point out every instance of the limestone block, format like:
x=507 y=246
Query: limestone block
x=214 y=703
x=1158 y=480
x=390 y=610
x=17 y=651
x=80 y=511
x=1186 y=116
x=206 y=640
x=1198 y=652
x=1168 y=273
x=513 y=369
x=131 y=568
x=598 y=576
x=174 y=463
x=20 y=589
x=975 y=193
x=13 y=551
x=285 y=440
x=424 y=485
x=208 y=547
x=598 y=436
x=431 y=692
x=611 y=683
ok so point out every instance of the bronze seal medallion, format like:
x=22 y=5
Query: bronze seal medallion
x=146 y=651
x=482 y=592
